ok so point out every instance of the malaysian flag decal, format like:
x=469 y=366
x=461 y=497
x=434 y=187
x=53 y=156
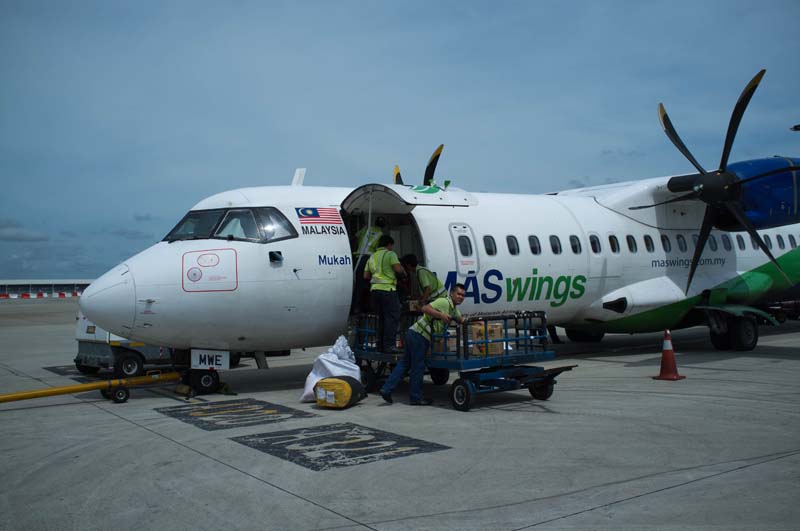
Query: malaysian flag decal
x=318 y=216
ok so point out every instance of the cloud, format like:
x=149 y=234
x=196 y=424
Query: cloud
x=142 y=217
x=130 y=234
x=8 y=223
x=13 y=231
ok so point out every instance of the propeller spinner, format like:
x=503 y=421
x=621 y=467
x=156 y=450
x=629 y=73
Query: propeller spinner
x=720 y=189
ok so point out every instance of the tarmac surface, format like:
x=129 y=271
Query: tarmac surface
x=612 y=449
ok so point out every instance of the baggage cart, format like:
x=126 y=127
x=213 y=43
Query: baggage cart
x=490 y=353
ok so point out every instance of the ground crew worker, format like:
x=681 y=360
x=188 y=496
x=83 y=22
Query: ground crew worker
x=436 y=316
x=368 y=237
x=430 y=287
x=366 y=244
x=381 y=272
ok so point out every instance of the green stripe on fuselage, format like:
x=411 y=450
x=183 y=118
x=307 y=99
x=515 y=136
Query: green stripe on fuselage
x=746 y=288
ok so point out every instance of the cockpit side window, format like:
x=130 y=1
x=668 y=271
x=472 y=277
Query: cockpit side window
x=196 y=225
x=239 y=224
x=274 y=225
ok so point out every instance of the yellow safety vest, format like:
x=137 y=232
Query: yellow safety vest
x=383 y=278
x=426 y=324
x=368 y=239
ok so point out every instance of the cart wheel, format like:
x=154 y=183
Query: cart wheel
x=120 y=395
x=105 y=394
x=542 y=390
x=461 y=394
x=369 y=378
x=439 y=376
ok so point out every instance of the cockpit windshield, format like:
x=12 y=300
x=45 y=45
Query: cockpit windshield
x=196 y=225
x=260 y=225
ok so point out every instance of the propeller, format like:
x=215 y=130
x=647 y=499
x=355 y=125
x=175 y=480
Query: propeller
x=431 y=167
x=720 y=189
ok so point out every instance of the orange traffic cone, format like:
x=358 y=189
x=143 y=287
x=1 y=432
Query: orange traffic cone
x=669 y=371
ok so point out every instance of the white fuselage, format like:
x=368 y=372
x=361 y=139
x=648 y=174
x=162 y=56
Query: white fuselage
x=235 y=295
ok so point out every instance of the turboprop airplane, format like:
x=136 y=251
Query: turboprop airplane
x=271 y=268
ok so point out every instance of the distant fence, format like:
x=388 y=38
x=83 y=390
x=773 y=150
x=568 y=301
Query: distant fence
x=42 y=289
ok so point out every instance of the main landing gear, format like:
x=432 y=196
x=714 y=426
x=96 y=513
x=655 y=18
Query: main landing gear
x=734 y=333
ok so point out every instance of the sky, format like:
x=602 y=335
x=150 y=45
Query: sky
x=116 y=117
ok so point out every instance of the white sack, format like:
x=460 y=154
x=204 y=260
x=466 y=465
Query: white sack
x=339 y=360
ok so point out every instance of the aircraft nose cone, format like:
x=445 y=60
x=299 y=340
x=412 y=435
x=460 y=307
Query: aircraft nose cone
x=110 y=301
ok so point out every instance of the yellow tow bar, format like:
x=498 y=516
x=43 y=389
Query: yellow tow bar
x=114 y=389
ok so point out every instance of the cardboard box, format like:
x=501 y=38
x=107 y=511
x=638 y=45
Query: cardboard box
x=451 y=345
x=481 y=332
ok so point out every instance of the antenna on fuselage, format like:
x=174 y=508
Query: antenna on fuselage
x=299 y=175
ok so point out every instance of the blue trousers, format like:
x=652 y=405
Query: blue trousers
x=413 y=361
x=387 y=305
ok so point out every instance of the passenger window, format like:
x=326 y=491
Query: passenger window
x=555 y=244
x=614 y=244
x=195 y=225
x=712 y=242
x=274 y=225
x=513 y=245
x=740 y=242
x=631 y=243
x=768 y=241
x=648 y=243
x=726 y=242
x=781 y=245
x=465 y=246
x=594 y=241
x=792 y=241
x=575 y=243
x=238 y=225
x=665 y=243
x=533 y=242
x=489 y=245
x=681 y=242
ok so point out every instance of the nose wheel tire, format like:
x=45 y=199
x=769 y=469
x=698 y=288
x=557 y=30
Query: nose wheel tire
x=204 y=382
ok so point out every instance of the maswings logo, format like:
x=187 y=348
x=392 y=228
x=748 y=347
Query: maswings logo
x=685 y=262
x=556 y=290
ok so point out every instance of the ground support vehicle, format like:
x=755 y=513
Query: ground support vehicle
x=491 y=354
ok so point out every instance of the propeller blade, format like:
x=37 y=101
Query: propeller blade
x=737 y=211
x=666 y=124
x=431 y=168
x=736 y=117
x=686 y=197
x=705 y=230
x=765 y=174
x=398 y=179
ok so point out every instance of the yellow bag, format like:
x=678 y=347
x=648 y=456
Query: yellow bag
x=338 y=392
